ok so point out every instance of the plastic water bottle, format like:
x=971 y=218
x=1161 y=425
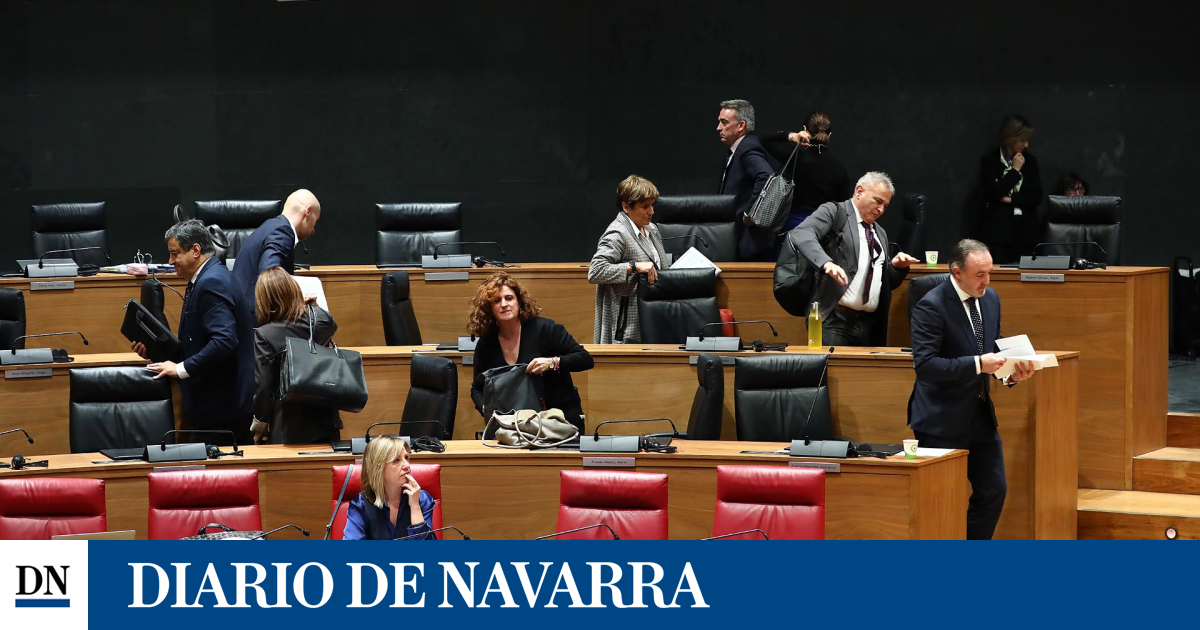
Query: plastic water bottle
x=814 y=326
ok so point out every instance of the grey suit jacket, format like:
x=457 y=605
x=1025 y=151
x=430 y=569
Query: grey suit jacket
x=844 y=253
x=616 y=302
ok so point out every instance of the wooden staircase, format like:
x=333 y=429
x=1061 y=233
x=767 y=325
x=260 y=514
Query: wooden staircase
x=1165 y=495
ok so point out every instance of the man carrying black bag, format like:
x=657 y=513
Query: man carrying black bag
x=843 y=241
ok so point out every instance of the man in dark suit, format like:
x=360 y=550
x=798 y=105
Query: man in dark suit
x=274 y=242
x=216 y=332
x=854 y=304
x=747 y=169
x=954 y=330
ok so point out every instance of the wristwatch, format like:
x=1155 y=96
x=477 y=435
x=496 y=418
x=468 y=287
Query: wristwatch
x=632 y=267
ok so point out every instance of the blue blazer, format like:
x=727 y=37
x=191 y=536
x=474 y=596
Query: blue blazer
x=216 y=333
x=273 y=243
x=744 y=178
x=945 y=394
x=364 y=521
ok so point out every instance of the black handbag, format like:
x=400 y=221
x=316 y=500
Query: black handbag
x=142 y=326
x=506 y=389
x=795 y=280
x=313 y=374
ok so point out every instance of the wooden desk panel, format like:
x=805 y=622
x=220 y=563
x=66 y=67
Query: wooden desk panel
x=868 y=393
x=1117 y=318
x=514 y=495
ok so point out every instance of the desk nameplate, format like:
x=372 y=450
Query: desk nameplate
x=447 y=276
x=56 y=285
x=828 y=467
x=609 y=462
x=1043 y=277
x=29 y=373
x=725 y=360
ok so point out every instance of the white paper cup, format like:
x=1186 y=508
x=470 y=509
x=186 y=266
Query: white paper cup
x=931 y=258
x=910 y=449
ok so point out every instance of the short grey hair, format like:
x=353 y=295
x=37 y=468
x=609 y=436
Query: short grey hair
x=745 y=111
x=188 y=233
x=874 y=178
x=963 y=249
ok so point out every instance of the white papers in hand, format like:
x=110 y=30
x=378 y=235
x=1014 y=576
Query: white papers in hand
x=312 y=284
x=1019 y=348
x=693 y=259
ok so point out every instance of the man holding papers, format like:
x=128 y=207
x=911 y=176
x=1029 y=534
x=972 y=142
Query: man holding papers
x=951 y=405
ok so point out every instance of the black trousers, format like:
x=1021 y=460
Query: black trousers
x=847 y=329
x=985 y=471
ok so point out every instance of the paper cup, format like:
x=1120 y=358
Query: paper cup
x=931 y=259
x=910 y=449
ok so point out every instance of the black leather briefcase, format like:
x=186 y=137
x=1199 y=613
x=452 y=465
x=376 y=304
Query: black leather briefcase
x=141 y=325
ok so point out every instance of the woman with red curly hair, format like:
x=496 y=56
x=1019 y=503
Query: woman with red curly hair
x=510 y=329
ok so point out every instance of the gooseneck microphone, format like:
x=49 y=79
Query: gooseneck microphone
x=338 y=506
x=695 y=236
x=674 y=431
x=434 y=531
x=749 y=321
x=16 y=430
x=53 y=334
x=440 y=245
x=580 y=529
x=162 y=446
x=1092 y=243
x=279 y=529
x=741 y=533
x=816 y=397
x=42 y=258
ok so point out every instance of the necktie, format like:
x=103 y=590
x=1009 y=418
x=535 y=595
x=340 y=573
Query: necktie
x=728 y=161
x=187 y=293
x=977 y=324
x=875 y=250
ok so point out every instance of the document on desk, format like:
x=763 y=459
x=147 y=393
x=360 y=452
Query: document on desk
x=312 y=284
x=693 y=259
x=1019 y=348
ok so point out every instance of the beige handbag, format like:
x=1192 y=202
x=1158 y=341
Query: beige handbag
x=531 y=429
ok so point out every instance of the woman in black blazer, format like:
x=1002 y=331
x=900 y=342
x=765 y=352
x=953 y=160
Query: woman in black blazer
x=282 y=313
x=1012 y=192
x=820 y=177
x=506 y=319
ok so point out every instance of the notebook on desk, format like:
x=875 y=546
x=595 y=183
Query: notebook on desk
x=123 y=454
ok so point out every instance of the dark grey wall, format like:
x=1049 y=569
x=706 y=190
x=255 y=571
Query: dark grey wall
x=530 y=112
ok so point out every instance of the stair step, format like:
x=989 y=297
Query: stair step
x=1183 y=430
x=1173 y=470
x=1132 y=515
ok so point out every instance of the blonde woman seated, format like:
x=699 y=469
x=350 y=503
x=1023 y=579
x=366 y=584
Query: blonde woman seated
x=282 y=312
x=630 y=246
x=392 y=504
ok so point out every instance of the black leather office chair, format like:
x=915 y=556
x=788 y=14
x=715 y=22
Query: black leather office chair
x=399 y=321
x=238 y=218
x=409 y=230
x=1087 y=218
x=118 y=407
x=911 y=237
x=704 y=423
x=68 y=225
x=773 y=393
x=12 y=318
x=708 y=216
x=678 y=305
x=432 y=395
x=918 y=286
x=153 y=298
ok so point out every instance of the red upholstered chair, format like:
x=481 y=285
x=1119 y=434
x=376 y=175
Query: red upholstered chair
x=183 y=502
x=633 y=504
x=36 y=509
x=428 y=475
x=786 y=503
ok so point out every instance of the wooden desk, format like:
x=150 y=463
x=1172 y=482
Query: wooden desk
x=868 y=392
x=490 y=493
x=1117 y=319
x=94 y=306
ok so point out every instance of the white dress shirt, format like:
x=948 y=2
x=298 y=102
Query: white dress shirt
x=962 y=299
x=853 y=297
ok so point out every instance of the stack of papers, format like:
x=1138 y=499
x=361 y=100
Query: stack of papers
x=312 y=284
x=693 y=259
x=1020 y=349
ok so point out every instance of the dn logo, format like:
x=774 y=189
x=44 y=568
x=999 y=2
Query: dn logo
x=30 y=581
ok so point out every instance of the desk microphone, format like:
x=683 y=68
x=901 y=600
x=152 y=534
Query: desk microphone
x=434 y=531
x=54 y=334
x=695 y=236
x=579 y=529
x=42 y=258
x=1076 y=262
x=748 y=531
x=19 y=462
x=278 y=529
x=439 y=246
x=749 y=321
x=21 y=430
x=213 y=452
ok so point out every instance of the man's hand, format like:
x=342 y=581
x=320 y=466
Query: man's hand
x=650 y=271
x=140 y=348
x=1024 y=372
x=835 y=272
x=1018 y=162
x=903 y=261
x=989 y=363
x=166 y=368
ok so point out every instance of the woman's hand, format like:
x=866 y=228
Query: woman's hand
x=648 y=269
x=542 y=364
x=1018 y=162
x=413 y=490
x=310 y=298
x=800 y=137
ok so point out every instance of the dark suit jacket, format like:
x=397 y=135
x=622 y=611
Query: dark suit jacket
x=944 y=397
x=820 y=177
x=273 y=243
x=1010 y=235
x=540 y=337
x=845 y=255
x=291 y=423
x=745 y=177
x=215 y=333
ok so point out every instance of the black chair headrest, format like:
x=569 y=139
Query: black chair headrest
x=1086 y=209
x=68 y=217
x=235 y=214
x=679 y=284
x=413 y=217
x=694 y=208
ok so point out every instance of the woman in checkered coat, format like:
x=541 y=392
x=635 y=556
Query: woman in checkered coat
x=631 y=247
